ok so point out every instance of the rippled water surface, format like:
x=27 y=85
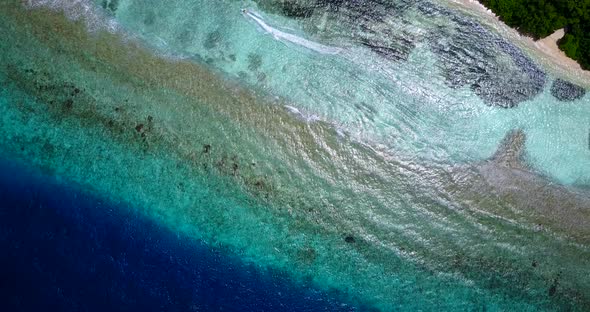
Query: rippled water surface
x=401 y=153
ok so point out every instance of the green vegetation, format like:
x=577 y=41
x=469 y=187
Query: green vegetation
x=540 y=18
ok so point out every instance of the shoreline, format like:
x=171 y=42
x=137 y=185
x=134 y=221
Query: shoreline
x=545 y=51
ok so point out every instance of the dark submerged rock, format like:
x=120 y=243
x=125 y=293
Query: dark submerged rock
x=254 y=61
x=477 y=65
x=213 y=40
x=294 y=10
x=468 y=54
x=566 y=91
x=68 y=104
x=110 y=5
x=552 y=289
x=389 y=52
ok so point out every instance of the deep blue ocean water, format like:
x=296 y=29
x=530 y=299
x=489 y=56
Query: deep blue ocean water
x=63 y=250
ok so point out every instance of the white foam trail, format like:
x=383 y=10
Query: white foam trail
x=299 y=114
x=280 y=35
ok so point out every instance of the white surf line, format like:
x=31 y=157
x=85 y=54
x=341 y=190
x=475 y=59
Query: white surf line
x=279 y=35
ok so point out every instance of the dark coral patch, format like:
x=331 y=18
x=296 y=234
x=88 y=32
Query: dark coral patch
x=69 y=104
x=479 y=66
x=566 y=91
x=391 y=52
x=293 y=9
x=553 y=288
x=349 y=239
x=254 y=61
x=110 y=5
x=213 y=40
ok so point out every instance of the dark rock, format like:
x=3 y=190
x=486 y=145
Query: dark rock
x=68 y=104
x=254 y=61
x=149 y=19
x=566 y=91
x=478 y=66
x=213 y=40
x=349 y=239
x=110 y=5
x=294 y=10
x=139 y=127
x=388 y=52
x=553 y=288
x=307 y=255
x=113 y=4
x=48 y=148
x=468 y=54
x=259 y=184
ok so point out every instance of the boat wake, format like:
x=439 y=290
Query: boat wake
x=280 y=35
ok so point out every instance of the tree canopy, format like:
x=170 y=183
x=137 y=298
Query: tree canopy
x=540 y=18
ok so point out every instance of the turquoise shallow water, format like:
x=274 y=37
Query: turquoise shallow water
x=364 y=171
x=406 y=106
